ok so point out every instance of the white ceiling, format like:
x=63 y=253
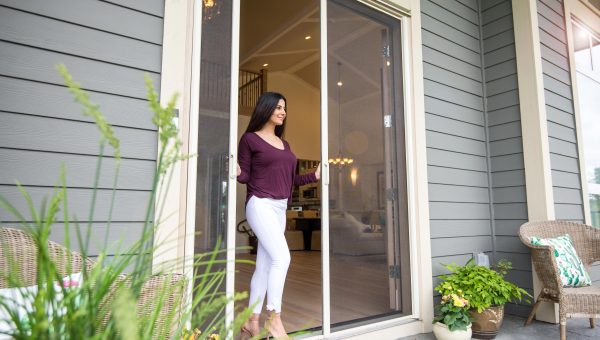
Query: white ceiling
x=274 y=31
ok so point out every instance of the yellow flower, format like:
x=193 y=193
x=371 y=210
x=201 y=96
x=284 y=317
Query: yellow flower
x=459 y=301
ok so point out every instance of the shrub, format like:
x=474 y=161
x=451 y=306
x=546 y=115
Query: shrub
x=481 y=286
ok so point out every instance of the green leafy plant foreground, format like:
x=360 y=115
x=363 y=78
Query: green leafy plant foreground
x=103 y=302
x=481 y=286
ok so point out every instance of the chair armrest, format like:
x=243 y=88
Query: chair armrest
x=545 y=265
x=590 y=253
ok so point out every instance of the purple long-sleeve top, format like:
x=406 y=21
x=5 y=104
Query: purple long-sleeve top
x=267 y=171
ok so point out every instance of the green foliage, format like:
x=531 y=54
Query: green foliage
x=453 y=311
x=502 y=267
x=481 y=286
x=90 y=109
x=102 y=302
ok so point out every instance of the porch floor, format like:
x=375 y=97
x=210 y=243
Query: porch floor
x=512 y=329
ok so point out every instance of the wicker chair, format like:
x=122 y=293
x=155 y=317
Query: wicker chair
x=18 y=247
x=580 y=302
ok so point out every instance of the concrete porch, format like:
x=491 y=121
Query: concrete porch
x=512 y=329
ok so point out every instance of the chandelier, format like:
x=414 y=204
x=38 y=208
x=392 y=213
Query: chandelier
x=340 y=160
x=210 y=9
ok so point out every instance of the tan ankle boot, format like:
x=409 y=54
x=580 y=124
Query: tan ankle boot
x=274 y=327
x=251 y=327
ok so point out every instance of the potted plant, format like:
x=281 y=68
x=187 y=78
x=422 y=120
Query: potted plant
x=453 y=321
x=486 y=290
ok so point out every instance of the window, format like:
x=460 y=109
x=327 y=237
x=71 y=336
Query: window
x=587 y=64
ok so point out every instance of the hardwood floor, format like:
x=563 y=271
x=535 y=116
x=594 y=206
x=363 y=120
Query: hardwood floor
x=359 y=288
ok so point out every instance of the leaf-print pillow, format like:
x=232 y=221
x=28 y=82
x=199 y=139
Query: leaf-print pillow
x=571 y=269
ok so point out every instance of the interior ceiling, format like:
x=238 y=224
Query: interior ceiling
x=274 y=31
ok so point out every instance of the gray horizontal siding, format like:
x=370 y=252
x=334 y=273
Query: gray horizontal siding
x=108 y=46
x=452 y=126
x=562 y=136
x=458 y=7
x=453 y=110
x=38 y=31
x=130 y=260
x=76 y=137
x=29 y=63
x=505 y=138
x=41 y=168
x=154 y=7
x=445 y=175
x=129 y=206
x=121 y=234
x=459 y=228
x=457 y=135
x=99 y=15
x=440 y=140
x=55 y=101
x=460 y=245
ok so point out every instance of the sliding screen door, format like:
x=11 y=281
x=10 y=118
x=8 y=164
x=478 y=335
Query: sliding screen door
x=368 y=228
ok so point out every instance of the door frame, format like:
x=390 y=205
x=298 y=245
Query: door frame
x=325 y=277
x=418 y=206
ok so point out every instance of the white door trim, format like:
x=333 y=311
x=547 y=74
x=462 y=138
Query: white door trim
x=325 y=171
x=232 y=180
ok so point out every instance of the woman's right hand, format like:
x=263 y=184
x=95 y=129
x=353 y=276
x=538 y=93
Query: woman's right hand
x=239 y=170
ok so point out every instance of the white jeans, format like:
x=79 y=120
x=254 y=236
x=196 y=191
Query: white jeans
x=266 y=216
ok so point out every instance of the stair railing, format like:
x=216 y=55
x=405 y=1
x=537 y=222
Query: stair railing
x=252 y=85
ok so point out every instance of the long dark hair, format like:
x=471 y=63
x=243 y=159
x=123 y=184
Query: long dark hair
x=265 y=105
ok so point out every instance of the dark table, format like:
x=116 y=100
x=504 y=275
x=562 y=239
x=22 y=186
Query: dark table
x=307 y=225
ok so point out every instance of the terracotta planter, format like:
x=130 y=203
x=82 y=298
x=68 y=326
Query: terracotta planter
x=487 y=323
x=442 y=332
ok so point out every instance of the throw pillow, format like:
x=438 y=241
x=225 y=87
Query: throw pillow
x=20 y=301
x=571 y=269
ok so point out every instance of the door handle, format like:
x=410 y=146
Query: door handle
x=325 y=173
x=232 y=167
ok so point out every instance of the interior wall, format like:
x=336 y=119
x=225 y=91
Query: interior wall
x=303 y=122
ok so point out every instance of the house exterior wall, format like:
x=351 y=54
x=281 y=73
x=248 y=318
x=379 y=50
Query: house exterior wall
x=503 y=113
x=459 y=197
x=474 y=145
x=107 y=46
x=562 y=136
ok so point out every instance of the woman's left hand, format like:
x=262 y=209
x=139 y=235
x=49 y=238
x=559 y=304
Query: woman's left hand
x=318 y=172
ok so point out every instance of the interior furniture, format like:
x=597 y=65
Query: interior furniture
x=295 y=239
x=18 y=246
x=349 y=236
x=308 y=225
x=580 y=302
x=315 y=240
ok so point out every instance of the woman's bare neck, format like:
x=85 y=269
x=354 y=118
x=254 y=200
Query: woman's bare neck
x=268 y=130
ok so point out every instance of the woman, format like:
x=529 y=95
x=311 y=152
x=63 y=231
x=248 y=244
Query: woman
x=267 y=166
